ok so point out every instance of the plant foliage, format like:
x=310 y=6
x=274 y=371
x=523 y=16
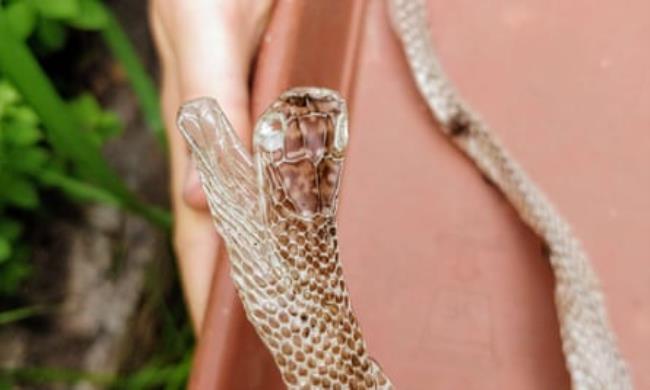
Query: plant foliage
x=48 y=143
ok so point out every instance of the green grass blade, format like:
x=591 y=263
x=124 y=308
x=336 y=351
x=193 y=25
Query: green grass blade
x=143 y=87
x=78 y=189
x=87 y=192
x=14 y=315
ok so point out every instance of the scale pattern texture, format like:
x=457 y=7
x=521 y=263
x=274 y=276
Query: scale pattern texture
x=277 y=216
x=590 y=348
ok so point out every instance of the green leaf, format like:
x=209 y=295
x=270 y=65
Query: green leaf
x=51 y=34
x=6 y=383
x=86 y=109
x=27 y=160
x=22 y=134
x=8 y=95
x=19 y=192
x=22 y=113
x=15 y=271
x=21 y=313
x=57 y=9
x=22 y=18
x=108 y=125
x=103 y=124
x=91 y=16
x=10 y=229
x=5 y=249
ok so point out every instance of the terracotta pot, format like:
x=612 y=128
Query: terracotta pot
x=452 y=291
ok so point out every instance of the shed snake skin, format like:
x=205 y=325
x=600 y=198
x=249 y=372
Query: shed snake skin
x=590 y=349
x=276 y=211
x=277 y=216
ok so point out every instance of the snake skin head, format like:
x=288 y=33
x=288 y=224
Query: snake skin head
x=300 y=142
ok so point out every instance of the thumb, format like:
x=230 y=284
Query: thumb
x=214 y=62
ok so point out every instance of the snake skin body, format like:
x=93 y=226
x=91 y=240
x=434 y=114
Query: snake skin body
x=590 y=348
x=277 y=216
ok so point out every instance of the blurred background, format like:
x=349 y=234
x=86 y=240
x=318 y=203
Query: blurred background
x=87 y=278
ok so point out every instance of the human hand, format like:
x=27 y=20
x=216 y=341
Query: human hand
x=205 y=48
